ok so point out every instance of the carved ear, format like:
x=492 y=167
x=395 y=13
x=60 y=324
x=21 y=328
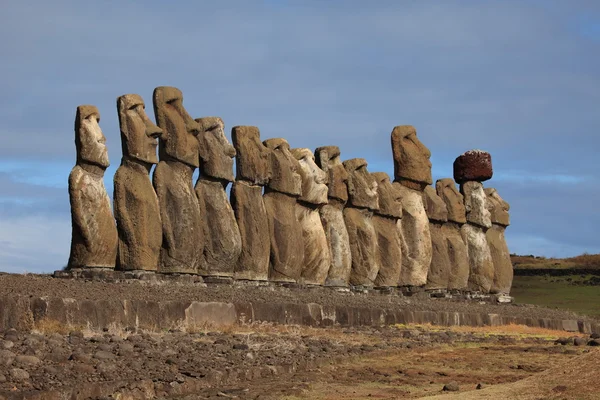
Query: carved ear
x=321 y=157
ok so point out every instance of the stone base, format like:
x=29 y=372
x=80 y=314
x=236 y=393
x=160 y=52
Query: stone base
x=220 y=280
x=503 y=298
x=110 y=275
x=438 y=293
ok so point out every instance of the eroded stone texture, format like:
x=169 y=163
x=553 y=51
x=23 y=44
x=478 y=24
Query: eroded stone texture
x=183 y=234
x=358 y=215
x=253 y=170
x=287 y=251
x=223 y=243
x=94 y=233
x=473 y=165
x=481 y=272
x=385 y=222
x=416 y=238
x=503 y=269
x=457 y=250
x=439 y=269
x=136 y=205
x=317 y=257
x=411 y=157
x=332 y=216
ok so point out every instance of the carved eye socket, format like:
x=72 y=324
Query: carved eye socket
x=133 y=107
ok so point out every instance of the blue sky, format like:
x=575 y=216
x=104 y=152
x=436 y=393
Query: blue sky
x=520 y=79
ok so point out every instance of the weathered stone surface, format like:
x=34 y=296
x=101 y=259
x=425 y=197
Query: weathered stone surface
x=252 y=161
x=389 y=246
x=363 y=246
x=476 y=204
x=136 y=205
x=362 y=187
x=503 y=269
x=497 y=207
x=446 y=190
x=473 y=165
x=223 y=243
x=390 y=202
x=183 y=234
x=411 y=157
x=416 y=238
x=332 y=218
x=481 y=266
x=438 y=275
x=328 y=159
x=285 y=233
x=458 y=274
x=285 y=176
x=94 y=233
x=317 y=257
x=435 y=207
x=251 y=216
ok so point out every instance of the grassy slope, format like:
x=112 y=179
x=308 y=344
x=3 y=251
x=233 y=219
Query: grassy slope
x=591 y=261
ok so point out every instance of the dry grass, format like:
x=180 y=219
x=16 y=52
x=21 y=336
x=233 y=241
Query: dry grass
x=590 y=261
x=507 y=330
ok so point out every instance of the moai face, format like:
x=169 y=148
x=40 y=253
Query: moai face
x=139 y=136
x=446 y=189
x=476 y=204
x=285 y=168
x=89 y=140
x=252 y=160
x=435 y=207
x=390 y=200
x=498 y=207
x=314 y=179
x=216 y=153
x=328 y=159
x=178 y=140
x=411 y=157
x=362 y=187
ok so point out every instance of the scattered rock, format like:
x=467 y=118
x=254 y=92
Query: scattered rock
x=451 y=387
x=579 y=341
x=19 y=374
x=480 y=386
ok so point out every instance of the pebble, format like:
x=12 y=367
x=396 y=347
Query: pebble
x=19 y=374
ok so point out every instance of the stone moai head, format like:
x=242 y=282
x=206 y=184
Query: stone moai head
x=498 y=207
x=252 y=158
x=411 y=158
x=362 y=187
x=328 y=159
x=216 y=153
x=447 y=191
x=285 y=168
x=476 y=204
x=314 y=179
x=178 y=140
x=435 y=207
x=390 y=199
x=90 y=142
x=138 y=134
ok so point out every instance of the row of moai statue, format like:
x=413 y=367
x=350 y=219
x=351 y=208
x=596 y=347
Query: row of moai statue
x=294 y=215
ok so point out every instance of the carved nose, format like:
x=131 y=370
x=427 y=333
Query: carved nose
x=153 y=130
x=230 y=151
x=192 y=126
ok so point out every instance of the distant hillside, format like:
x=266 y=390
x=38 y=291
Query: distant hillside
x=583 y=261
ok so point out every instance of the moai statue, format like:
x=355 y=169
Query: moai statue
x=438 y=275
x=317 y=257
x=458 y=275
x=412 y=173
x=332 y=216
x=253 y=171
x=358 y=216
x=183 y=235
x=223 y=243
x=285 y=186
x=470 y=169
x=136 y=205
x=503 y=269
x=387 y=223
x=94 y=237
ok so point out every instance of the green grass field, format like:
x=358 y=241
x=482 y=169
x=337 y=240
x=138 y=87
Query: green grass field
x=558 y=292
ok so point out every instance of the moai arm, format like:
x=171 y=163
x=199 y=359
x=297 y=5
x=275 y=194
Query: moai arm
x=121 y=212
x=162 y=194
x=75 y=189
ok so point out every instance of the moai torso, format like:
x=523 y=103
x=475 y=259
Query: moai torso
x=332 y=215
x=94 y=233
x=458 y=274
x=358 y=216
x=386 y=221
x=253 y=171
x=285 y=186
x=136 y=206
x=439 y=270
x=183 y=235
x=223 y=243
x=412 y=173
x=317 y=257
x=503 y=269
